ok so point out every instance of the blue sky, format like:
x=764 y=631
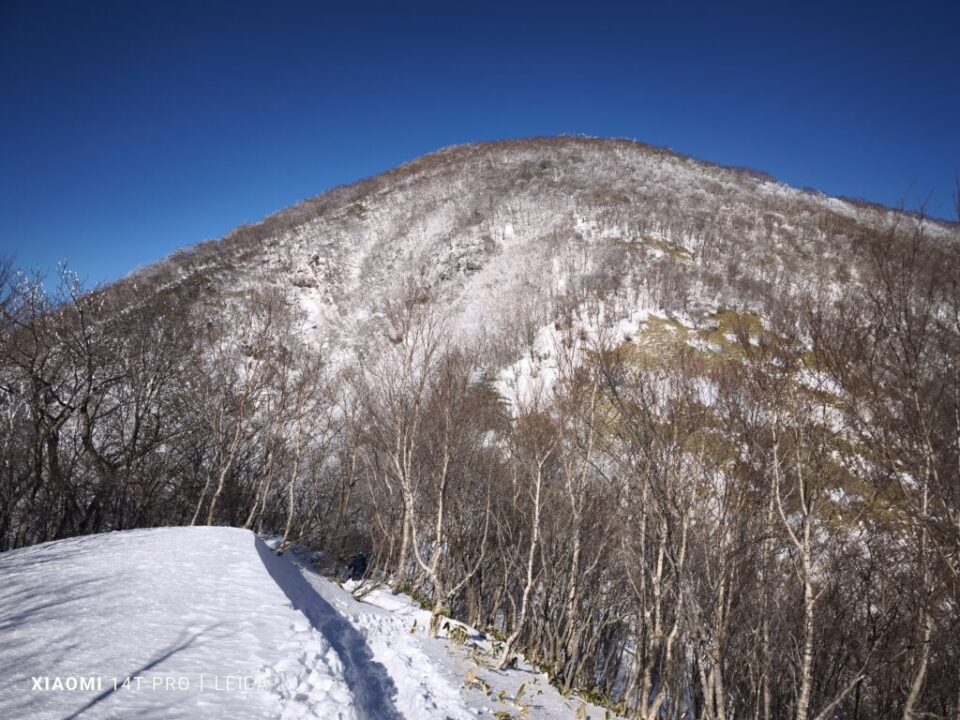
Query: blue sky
x=132 y=128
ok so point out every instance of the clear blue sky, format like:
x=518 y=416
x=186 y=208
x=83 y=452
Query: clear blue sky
x=128 y=129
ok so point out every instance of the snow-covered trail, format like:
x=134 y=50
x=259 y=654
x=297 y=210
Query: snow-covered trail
x=424 y=687
x=372 y=688
x=437 y=679
x=212 y=623
x=190 y=618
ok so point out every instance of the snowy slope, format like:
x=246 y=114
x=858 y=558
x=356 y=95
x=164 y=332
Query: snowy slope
x=195 y=607
x=210 y=623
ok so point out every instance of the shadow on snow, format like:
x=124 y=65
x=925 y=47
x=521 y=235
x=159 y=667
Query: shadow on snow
x=373 y=689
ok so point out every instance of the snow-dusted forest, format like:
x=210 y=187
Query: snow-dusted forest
x=686 y=438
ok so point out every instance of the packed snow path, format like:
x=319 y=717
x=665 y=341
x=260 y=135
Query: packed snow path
x=211 y=623
x=372 y=688
x=199 y=622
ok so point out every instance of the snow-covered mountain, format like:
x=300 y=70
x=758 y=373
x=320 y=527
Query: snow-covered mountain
x=683 y=437
x=508 y=234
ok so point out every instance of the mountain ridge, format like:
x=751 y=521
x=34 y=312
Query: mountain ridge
x=354 y=185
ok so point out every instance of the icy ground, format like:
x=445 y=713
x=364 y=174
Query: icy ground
x=210 y=623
